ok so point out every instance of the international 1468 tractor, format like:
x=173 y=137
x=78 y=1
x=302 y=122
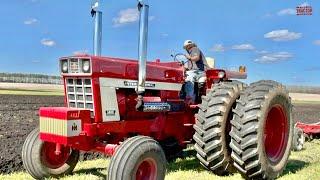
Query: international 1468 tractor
x=135 y=112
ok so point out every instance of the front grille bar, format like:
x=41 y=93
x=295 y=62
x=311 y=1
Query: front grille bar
x=79 y=94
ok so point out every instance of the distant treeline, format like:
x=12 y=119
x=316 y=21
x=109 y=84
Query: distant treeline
x=304 y=89
x=29 y=78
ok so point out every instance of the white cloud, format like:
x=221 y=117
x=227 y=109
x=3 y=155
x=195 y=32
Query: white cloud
x=218 y=48
x=262 y=52
x=81 y=52
x=151 y=18
x=316 y=42
x=128 y=16
x=273 y=57
x=35 y=61
x=243 y=47
x=164 y=34
x=30 y=21
x=282 y=35
x=48 y=42
x=267 y=15
x=313 y=68
x=288 y=11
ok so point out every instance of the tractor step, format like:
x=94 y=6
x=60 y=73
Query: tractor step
x=156 y=107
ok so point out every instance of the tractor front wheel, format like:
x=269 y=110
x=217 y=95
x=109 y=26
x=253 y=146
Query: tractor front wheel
x=262 y=131
x=40 y=160
x=138 y=158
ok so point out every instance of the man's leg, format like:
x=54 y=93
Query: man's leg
x=189 y=87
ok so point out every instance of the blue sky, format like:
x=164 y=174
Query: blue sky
x=266 y=36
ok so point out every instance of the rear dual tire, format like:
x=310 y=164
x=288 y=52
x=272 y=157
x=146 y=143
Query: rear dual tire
x=213 y=125
x=262 y=131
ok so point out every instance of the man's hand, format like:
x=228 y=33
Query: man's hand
x=193 y=58
x=188 y=56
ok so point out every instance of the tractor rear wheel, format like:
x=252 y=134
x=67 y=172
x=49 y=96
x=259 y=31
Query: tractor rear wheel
x=213 y=126
x=138 y=158
x=262 y=131
x=40 y=160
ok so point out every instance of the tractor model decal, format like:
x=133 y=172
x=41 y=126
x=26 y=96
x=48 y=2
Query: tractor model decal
x=134 y=84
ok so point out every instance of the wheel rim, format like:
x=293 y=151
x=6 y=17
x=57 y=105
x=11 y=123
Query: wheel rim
x=147 y=170
x=50 y=159
x=276 y=133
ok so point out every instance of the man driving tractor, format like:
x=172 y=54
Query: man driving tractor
x=195 y=68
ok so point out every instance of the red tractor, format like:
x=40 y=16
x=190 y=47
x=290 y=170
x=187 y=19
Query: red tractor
x=135 y=112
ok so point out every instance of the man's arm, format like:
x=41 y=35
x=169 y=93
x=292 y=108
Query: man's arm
x=194 y=58
x=194 y=55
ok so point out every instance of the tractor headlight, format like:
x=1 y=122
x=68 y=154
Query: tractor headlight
x=64 y=66
x=86 y=66
x=221 y=74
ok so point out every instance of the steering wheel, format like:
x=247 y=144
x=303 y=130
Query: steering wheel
x=181 y=58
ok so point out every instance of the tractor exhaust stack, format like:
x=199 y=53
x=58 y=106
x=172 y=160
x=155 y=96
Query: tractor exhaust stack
x=143 y=7
x=97 y=37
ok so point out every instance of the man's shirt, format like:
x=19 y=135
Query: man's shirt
x=201 y=64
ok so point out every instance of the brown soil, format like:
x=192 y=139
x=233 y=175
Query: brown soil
x=18 y=117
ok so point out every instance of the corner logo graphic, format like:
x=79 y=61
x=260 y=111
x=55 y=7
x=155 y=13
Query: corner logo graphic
x=304 y=10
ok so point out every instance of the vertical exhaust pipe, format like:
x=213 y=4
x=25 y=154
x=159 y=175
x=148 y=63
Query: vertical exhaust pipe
x=97 y=36
x=143 y=7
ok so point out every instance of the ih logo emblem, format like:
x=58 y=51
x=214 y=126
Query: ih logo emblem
x=74 y=127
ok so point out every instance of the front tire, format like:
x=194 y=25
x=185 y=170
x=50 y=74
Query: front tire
x=40 y=161
x=262 y=131
x=213 y=126
x=138 y=158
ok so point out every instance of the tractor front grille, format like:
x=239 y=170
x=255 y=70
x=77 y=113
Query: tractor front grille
x=79 y=94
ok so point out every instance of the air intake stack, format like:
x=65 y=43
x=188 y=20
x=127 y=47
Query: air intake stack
x=97 y=37
x=143 y=7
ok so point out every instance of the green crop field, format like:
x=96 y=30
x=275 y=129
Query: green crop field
x=35 y=92
x=302 y=165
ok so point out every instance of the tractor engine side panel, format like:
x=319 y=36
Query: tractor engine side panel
x=118 y=97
